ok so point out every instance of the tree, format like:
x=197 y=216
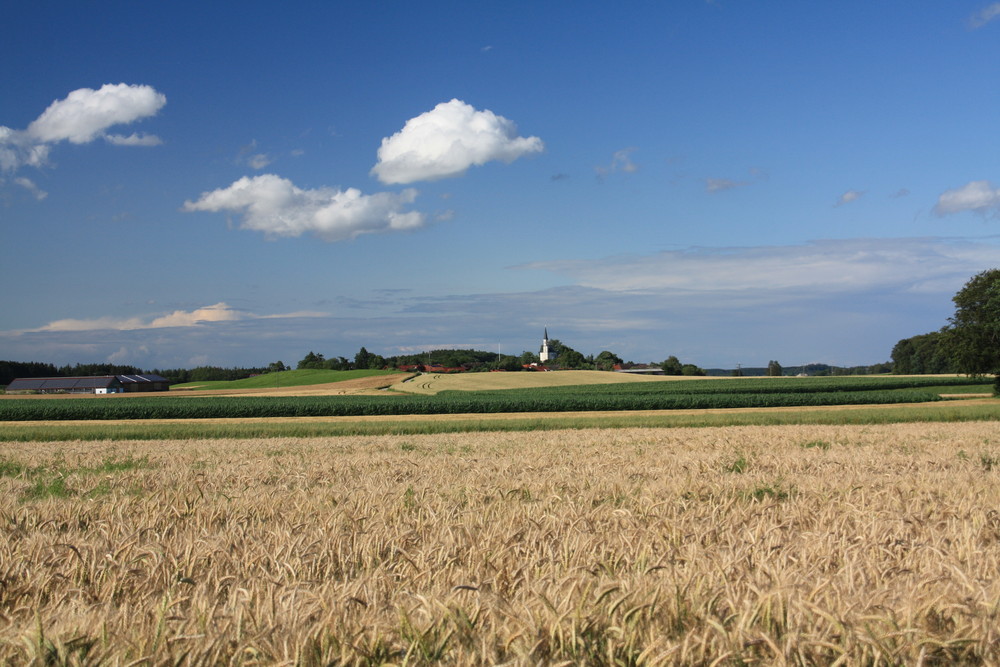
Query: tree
x=362 y=358
x=691 y=369
x=974 y=332
x=311 y=360
x=672 y=366
x=606 y=361
x=276 y=367
x=774 y=369
x=566 y=357
x=927 y=353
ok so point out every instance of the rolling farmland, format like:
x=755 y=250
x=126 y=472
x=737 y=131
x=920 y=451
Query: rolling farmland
x=871 y=543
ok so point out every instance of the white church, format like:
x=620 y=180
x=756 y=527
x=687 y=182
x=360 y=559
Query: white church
x=546 y=354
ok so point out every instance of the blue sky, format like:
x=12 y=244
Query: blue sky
x=728 y=182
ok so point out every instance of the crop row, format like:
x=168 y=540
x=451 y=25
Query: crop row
x=445 y=403
x=761 y=385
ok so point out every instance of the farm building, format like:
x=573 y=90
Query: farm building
x=100 y=384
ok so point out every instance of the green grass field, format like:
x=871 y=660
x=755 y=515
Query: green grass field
x=297 y=378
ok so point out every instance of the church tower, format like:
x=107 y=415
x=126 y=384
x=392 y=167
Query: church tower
x=546 y=354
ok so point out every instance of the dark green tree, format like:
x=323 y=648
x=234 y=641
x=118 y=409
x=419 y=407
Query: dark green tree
x=362 y=359
x=774 y=369
x=974 y=330
x=927 y=353
x=566 y=357
x=312 y=360
x=605 y=361
x=672 y=366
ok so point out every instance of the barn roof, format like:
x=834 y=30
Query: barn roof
x=39 y=384
x=146 y=377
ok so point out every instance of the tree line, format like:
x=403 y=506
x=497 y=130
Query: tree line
x=969 y=343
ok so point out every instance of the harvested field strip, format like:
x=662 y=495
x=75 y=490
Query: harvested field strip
x=299 y=427
x=867 y=545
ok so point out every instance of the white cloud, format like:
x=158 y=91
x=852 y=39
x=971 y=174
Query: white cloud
x=85 y=113
x=220 y=312
x=134 y=139
x=446 y=141
x=83 y=116
x=849 y=196
x=978 y=196
x=985 y=15
x=17 y=149
x=30 y=186
x=762 y=273
x=275 y=206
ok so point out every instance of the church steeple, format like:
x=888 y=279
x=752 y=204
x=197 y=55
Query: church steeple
x=546 y=354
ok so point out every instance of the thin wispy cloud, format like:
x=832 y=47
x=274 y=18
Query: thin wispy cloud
x=849 y=197
x=81 y=117
x=985 y=15
x=276 y=207
x=134 y=139
x=30 y=186
x=219 y=312
x=446 y=141
x=817 y=267
x=621 y=161
x=976 y=196
x=250 y=157
x=713 y=185
x=258 y=161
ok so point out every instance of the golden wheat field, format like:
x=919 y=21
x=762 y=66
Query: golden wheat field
x=735 y=545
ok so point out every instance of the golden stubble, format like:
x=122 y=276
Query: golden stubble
x=803 y=544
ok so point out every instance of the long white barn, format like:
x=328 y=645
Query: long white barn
x=97 y=384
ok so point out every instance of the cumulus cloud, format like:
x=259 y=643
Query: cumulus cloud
x=985 y=15
x=978 y=196
x=849 y=196
x=275 y=206
x=83 y=116
x=220 y=312
x=762 y=273
x=86 y=113
x=446 y=141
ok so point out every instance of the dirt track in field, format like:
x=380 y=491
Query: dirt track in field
x=366 y=385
